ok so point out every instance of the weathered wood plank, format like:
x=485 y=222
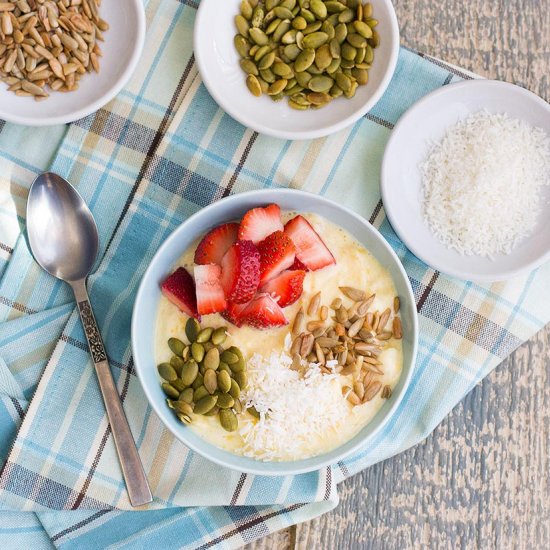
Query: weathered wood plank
x=481 y=480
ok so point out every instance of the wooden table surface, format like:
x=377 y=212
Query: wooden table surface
x=481 y=480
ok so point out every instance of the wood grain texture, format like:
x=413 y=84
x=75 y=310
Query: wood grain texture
x=481 y=480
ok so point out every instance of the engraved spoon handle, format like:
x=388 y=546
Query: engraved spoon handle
x=130 y=462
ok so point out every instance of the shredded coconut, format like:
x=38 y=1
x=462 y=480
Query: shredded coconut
x=295 y=407
x=482 y=184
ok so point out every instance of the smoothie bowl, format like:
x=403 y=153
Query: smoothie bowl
x=274 y=332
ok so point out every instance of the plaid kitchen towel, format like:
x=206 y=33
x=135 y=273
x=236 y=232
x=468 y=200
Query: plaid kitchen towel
x=159 y=152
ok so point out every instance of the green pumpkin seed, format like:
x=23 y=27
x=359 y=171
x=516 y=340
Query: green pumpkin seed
x=333 y=67
x=184 y=418
x=224 y=367
x=189 y=373
x=246 y=9
x=198 y=381
x=283 y=13
x=328 y=28
x=334 y=46
x=367 y=10
x=281 y=30
x=356 y=40
x=318 y=8
x=360 y=57
x=241 y=378
x=192 y=329
x=234 y=390
x=272 y=27
x=212 y=359
x=204 y=335
x=170 y=391
x=268 y=76
x=242 y=25
x=299 y=23
x=253 y=50
x=225 y=401
x=260 y=54
x=179 y=385
x=348 y=52
x=277 y=97
x=315 y=39
x=304 y=60
x=290 y=4
x=254 y=412
x=303 y=77
x=336 y=91
x=352 y=91
x=283 y=70
x=347 y=64
x=177 y=363
x=277 y=87
x=229 y=357
x=205 y=404
x=308 y=15
x=167 y=371
x=340 y=32
x=323 y=58
x=187 y=395
x=270 y=4
x=371 y=22
x=263 y=85
x=182 y=407
x=197 y=351
x=363 y=29
x=312 y=27
x=249 y=67
x=369 y=56
x=335 y=7
x=228 y=420
x=301 y=99
x=258 y=36
x=176 y=346
x=289 y=37
x=375 y=40
x=220 y=334
x=343 y=81
x=295 y=90
x=224 y=381
x=257 y=17
x=292 y=51
x=320 y=84
x=199 y=393
x=213 y=411
x=210 y=381
x=237 y=406
x=347 y=16
x=318 y=98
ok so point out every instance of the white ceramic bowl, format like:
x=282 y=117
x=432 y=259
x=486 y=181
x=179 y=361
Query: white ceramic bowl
x=427 y=122
x=121 y=51
x=231 y=208
x=218 y=64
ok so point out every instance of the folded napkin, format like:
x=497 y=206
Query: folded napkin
x=159 y=152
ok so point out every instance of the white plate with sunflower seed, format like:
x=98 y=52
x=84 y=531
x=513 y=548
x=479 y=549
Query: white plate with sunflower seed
x=218 y=63
x=72 y=29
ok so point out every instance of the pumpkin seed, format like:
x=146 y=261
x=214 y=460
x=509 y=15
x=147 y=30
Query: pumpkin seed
x=234 y=390
x=277 y=87
x=170 y=391
x=246 y=9
x=281 y=30
x=375 y=40
x=213 y=411
x=187 y=395
x=206 y=404
x=248 y=66
x=237 y=406
x=257 y=17
x=199 y=380
x=323 y=57
x=225 y=367
x=229 y=357
x=182 y=407
x=224 y=381
x=228 y=420
x=199 y=393
x=356 y=40
x=318 y=8
x=204 y=335
x=210 y=381
x=363 y=29
x=315 y=39
x=184 y=418
x=177 y=363
x=308 y=15
x=212 y=359
x=264 y=63
x=242 y=25
x=176 y=346
x=254 y=412
x=253 y=85
x=167 y=371
x=225 y=401
x=189 y=372
x=242 y=379
x=299 y=23
x=192 y=329
x=179 y=385
x=197 y=351
x=348 y=52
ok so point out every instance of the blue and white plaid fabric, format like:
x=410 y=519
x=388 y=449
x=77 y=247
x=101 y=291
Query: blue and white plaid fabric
x=159 y=152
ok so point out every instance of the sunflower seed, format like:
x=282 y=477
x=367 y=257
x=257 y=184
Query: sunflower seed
x=353 y=293
x=384 y=317
x=386 y=392
x=319 y=353
x=314 y=304
x=336 y=304
x=306 y=344
x=371 y=390
x=397 y=328
x=396 y=305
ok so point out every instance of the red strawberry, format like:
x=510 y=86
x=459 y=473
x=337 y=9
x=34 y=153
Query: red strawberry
x=241 y=272
x=286 y=288
x=310 y=248
x=258 y=223
x=277 y=253
x=179 y=288
x=233 y=313
x=216 y=243
x=298 y=265
x=263 y=312
x=210 y=296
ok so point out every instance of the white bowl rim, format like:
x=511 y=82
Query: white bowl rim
x=284 y=467
x=384 y=185
x=100 y=101
x=251 y=123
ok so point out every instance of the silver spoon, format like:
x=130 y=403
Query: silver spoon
x=64 y=241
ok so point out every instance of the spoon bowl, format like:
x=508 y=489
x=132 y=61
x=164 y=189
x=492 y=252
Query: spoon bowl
x=61 y=229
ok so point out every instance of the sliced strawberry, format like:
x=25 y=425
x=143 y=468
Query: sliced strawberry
x=264 y=312
x=310 y=248
x=277 y=253
x=286 y=288
x=298 y=266
x=210 y=296
x=241 y=272
x=179 y=288
x=216 y=243
x=258 y=223
x=233 y=313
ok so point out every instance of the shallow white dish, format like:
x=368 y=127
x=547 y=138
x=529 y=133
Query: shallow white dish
x=427 y=122
x=232 y=208
x=121 y=51
x=218 y=63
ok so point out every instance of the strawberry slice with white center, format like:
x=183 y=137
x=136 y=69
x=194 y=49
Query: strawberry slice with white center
x=277 y=253
x=260 y=222
x=216 y=243
x=210 y=296
x=179 y=288
x=264 y=312
x=241 y=272
x=310 y=248
x=286 y=288
x=233 y=313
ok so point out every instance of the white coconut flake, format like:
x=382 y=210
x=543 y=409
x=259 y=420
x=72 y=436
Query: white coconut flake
x=482 y=184
x=294 y=407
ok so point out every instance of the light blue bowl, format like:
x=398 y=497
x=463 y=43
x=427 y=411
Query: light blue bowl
x=231 y=208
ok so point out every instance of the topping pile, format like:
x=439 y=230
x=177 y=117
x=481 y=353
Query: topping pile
x=250 y=271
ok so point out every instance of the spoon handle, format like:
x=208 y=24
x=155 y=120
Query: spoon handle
x=132 y=468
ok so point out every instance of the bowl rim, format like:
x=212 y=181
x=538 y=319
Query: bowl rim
x=253 y=124
x=283 y=467
x=407 y=237
x=95 y=105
